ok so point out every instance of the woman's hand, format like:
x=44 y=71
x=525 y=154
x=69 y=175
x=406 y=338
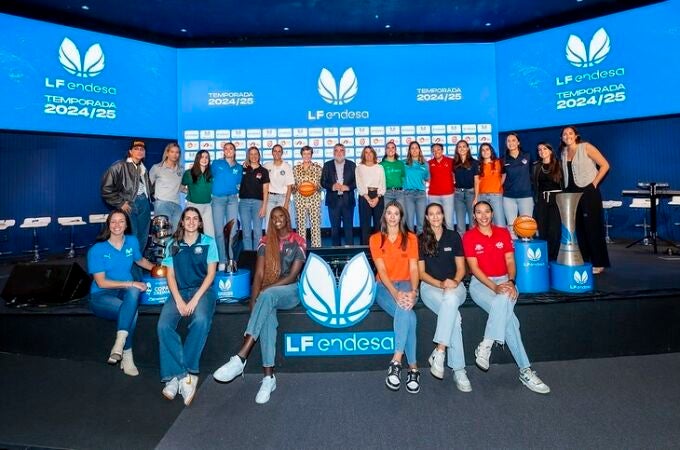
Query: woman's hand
x=262 y=211
x=139 y=285
x=450 y=284
x=191 y=306
x=508 y=288
x=182 y=308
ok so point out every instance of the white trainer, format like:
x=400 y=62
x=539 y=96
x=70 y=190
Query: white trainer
x=233 y=368
x=187 y=388
x=462 y=381
x=171 y=388
x=529 y=379
x=268 y=386
x=436 y=361
x=482 y=356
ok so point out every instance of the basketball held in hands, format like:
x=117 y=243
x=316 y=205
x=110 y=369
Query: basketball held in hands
x=307 y=189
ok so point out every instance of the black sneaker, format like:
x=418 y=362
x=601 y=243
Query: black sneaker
x=393 y=380
x=413 y=381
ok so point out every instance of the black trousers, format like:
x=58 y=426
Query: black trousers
x=590 y=228
x=369 y=218
x=342 y=216
x=547 y=216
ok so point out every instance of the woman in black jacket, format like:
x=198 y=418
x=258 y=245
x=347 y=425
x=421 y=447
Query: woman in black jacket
x=548 y=181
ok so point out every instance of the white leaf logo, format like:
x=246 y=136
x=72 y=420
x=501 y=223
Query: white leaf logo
x=331 y=93
x=533 y=255
x=224 y=285
x=332 y=305
x=597 y=50
x=69 y=57
x=581 y=278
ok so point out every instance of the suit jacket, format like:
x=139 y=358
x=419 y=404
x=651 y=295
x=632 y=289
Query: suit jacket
x=329 y=177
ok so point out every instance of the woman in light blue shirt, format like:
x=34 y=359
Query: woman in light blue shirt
x=415 y=199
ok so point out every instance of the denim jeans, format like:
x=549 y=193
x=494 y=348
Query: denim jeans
x=445 y=303
x=415 y=203
x=447 y=203
x=170 y=209
x=462 y=200
x=275 y=200
x=119 y=305
x=224 y=209
x=251 y=222
x=178 y=359
x=206 y=215
x=514 y=207
x=404 y=320
x=140 y=219
x=263 y=323
x=502 y=325
x=394 y=194
x=496 y=202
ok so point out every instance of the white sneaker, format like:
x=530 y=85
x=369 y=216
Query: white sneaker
x=233 y=368
x=462 y=381
x=529 y=379
x=268 y=386
x=171 y=388
x=187 y=388
x=221 y=267
x=482 y=355
x=436 y=361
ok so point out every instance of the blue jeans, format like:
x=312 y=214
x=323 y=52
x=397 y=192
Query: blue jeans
x=263 y=323
x=275 y=200
x=119 y=305
x=249 y=211
x=445 y=303
x=496 y=202
x=170 y=209
x=415 y=203
x=394 y=194
x=514 y=207
x=404 y=320
x=140 y=219
x=462 y=200
x=224 y=209
x=447 y=203
x=176 y=359
x=502 y=325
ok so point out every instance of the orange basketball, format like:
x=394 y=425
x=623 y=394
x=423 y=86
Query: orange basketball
x=525 y=227
x=307 y=188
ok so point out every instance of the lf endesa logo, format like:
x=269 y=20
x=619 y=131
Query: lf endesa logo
x=337 y=94
x=577 y=55
x=89 y=66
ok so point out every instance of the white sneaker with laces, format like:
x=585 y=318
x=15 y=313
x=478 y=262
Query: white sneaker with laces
x=266 y=388
x=436 y=361
x=187 y=388
x=529 y=379
x=462 y=381
x=171 y=388
x=482 y=355
x=233 y=368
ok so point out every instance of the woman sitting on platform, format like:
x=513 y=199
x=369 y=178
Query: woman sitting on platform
x=114 y=293
x=280 y=257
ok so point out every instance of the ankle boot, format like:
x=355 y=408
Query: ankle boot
x=117 y=350
x=127 y=364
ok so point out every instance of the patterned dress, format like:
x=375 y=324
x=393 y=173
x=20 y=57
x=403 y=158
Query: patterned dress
x=308 y=206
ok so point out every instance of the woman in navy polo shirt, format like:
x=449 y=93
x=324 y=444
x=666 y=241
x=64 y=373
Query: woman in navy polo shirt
x=490 y=256
x=114 y=293
x=518 y=198
x=467 y=182
x=191 y=258
x=253 y=195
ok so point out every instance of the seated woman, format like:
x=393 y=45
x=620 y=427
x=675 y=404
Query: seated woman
x=114 y=293
x=491 y=258
x=395 y=253
x=280 y=257
x=191 y=259
x=441 y=269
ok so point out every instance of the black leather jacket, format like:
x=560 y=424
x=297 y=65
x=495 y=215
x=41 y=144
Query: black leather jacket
x=120 y=183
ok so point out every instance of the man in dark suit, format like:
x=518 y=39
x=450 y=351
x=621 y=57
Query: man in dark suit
x=338 y=179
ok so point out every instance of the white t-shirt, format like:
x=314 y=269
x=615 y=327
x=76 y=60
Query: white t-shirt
x=280 y=177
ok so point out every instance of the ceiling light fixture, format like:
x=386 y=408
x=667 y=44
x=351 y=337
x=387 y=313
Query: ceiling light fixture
x=85 y=8
x=286 y=29
x=388 y=26
x=488 y=24
x=183 y=30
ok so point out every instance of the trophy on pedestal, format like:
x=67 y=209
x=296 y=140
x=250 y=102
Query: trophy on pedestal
x=569 y=273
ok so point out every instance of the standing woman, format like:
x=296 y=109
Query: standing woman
x=371 y=189
x=198 y=181
x=467 y=179
x=441 y=268
x=395 y=172
x=395 y=253
x=191 y=259
x=548 y=182
x=114 y=293
x=584 y=168
x=280 y=257
x=490 y=187
x=166 y=179
x=441 y=182
x=415 y=199
x=517 y=196
x=308 y=207
x=254 y=195
x=227 y=175
x=491 y=258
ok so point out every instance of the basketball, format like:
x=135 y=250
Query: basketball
x=525 y=227
x=307 y=188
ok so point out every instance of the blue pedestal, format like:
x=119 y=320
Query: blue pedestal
x=572 y=279
x=232 y=287
x=157 y=291
x=531 y=259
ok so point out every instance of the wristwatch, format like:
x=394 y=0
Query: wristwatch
x=512 y=280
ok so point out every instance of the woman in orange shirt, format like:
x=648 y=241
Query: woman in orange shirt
x=489 y=184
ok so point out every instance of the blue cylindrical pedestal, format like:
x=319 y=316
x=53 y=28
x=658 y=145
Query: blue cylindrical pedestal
x=157 y=291
x=571 y=279
x=232 y=287
x=531 y=259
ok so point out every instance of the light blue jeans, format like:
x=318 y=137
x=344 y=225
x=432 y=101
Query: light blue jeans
x=496 y=202
x=248 y=210
x=119 y=305
x=178 y=359
x=445 y=303
x=275 y=200
x=502 y=325
x=415 y=203
x=394 y=194
x=170 y=209
x=462 y=200
x=404 y=322
x=224 y=209
x=447 y=203
x=263 y=323
x=514 y=207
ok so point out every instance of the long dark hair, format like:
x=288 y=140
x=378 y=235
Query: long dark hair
x=492 y=158
x=578 y=137
x=428 y=240
x=403 y=229
x=396 y=151
x=105 y=234
x=554 y=169
x=196 y=168
x=178 y=235
x=409 y=158
x=519 y=142
x=458 y=161
x=272 y=254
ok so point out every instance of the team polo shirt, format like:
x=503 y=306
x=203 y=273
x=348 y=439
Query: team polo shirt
x=166 y=182
x=396 y=260
x=442 y=265
x=115 y=264
x=190 y=262
x=416 y=176
x=489 y=250
x=198 y=192
x=517 y=176
x=441 y=176
x=280 y=177
x=252 y=183
x=226 y=178
x=465 y=176
x=394 y=173
x=491 y=177
x=292 y=249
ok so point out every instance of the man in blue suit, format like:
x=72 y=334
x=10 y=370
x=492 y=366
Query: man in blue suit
x=338 y=179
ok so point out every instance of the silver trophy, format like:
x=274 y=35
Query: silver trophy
x=161 y=233
x=569 y=254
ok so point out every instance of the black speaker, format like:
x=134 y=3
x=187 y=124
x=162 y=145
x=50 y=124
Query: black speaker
x=45 y=284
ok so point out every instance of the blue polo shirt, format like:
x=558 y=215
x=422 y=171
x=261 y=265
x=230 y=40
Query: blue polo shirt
x=517 y=176
x=465 y=177
x=115 y=264
x=416 y=175
x=226 y=178
x=190 y=262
